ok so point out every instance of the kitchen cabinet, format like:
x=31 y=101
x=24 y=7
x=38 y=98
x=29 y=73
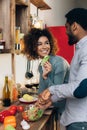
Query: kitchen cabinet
x=13 y=13
x=16 y=13
x=40 y=4
x=6 y=22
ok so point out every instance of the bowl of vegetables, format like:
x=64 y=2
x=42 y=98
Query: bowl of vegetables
x=32 y=113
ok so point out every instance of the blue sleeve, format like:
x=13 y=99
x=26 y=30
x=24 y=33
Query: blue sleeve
x=60 y=73
x=81 y=90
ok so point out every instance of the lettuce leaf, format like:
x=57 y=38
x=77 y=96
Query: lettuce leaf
x=45 y=59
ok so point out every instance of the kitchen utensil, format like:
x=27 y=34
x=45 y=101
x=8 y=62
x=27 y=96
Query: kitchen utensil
x=29 y=73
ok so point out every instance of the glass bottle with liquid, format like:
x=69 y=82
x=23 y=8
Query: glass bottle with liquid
x=17 y=40
x=17 y=33
x=6 y=93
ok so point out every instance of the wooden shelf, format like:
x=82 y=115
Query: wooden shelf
x=5 y=51
x=40 y=4
x=21 y=2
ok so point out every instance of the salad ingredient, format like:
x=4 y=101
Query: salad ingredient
x=34 y=113
x=25 y=125
x=10 y=120
x=12 y=111
x=20 y=108
x=9 y=127
x=28 y=97
x=13 y=107
x=25 y=115
x=3 y=114
x=45 y=59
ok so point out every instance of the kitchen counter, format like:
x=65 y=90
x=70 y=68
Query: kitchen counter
x=44 y=123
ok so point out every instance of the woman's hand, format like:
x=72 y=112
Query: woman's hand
x=47 y=69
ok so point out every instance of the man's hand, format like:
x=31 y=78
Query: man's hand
x=45 y=95
x=44 y=106
x=44 y=99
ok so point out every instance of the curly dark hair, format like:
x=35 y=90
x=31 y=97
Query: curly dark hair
x=31 y=39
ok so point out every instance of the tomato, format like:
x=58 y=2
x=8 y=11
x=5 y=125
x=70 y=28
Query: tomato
x=12 y=111
x=25 y=115
x=13 y=107
x=20 y=108
x=1 y=117
x=3 y=114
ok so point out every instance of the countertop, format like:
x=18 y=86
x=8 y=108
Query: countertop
x=44 y=123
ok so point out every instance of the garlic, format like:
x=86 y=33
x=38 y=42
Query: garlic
x=25 y=125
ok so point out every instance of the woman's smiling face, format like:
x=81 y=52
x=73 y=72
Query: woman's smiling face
x=43 y=47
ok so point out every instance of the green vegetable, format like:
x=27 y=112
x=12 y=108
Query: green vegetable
x=45 y=59
x=9 y=127
x=35 y=115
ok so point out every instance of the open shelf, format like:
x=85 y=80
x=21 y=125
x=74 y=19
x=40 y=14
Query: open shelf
x=40 y=4
x=21 y=2
x=5 y=51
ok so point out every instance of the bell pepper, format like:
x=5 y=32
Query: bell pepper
x=3 y=114
x=10 y=120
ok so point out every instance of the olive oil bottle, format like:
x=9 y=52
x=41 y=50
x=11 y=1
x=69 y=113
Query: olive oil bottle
x=6 y=93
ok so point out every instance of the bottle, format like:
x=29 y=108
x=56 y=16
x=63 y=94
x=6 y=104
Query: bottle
x=17 y=40
x=6 y=93
x=17 y=33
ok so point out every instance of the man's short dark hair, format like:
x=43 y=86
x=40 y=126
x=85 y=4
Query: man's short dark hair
x=78 y=15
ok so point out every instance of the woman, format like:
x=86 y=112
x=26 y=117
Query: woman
x=38 y=44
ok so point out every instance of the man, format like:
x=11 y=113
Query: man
x=75 y=115
x=81 y=90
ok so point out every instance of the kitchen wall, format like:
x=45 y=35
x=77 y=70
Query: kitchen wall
x=81 y=3
x=53 y=17
x=5 y=69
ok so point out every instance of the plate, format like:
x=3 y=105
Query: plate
x=28 y=102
